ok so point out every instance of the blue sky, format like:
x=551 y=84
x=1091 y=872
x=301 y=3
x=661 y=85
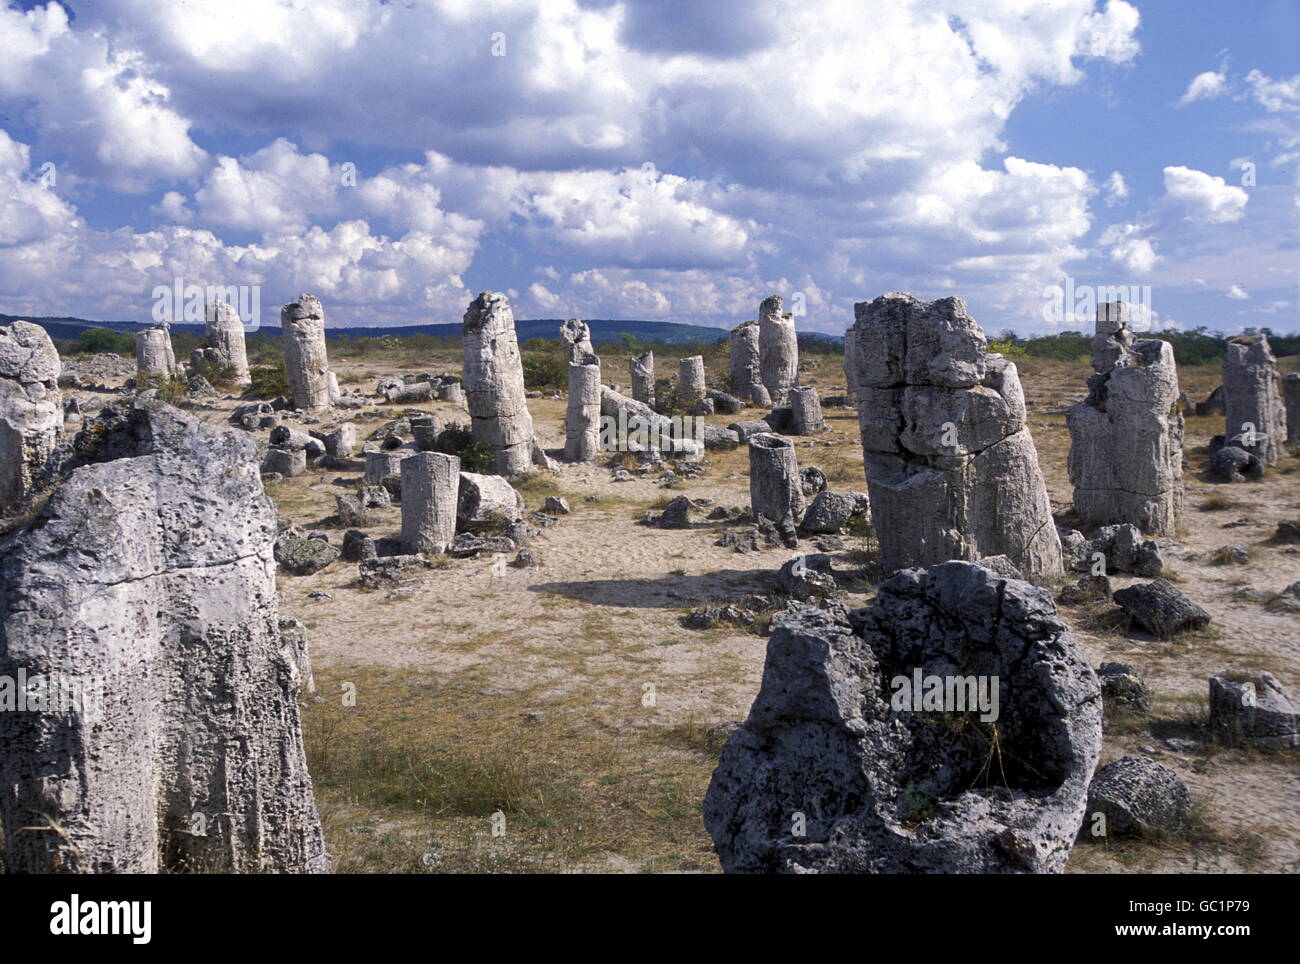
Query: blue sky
x=668 y=160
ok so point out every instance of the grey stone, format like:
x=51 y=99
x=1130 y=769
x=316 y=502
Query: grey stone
x=1160 y=608
x=302 y=324
x=1120 y=685
x=1254 y=708
x=641 y=370
x=430 y=484
x=154 y=356
x=746 y=369
x=807 y=576
x=778 y=349
x=31 y=411
x=357 y=546
x=224 y=341
x=486 y=502
x=303 y=557
x=1254 y=415
x=774 y=480
x=285 y=462
x=828 y=513
x=1234 y=464
x=494 y=385
x=806 y=410
x=1137 y=797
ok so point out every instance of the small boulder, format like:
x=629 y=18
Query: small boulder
x=1137 y=797
x=1161 y=609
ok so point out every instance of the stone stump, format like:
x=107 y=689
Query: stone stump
x=31 y=411
x=154 y=356
x=746 y=371
x=1255 y=418
x=774 y=489
x=430 y=481
x=641 y=370
x=224 y=345
x=305 y=359
x=582 y=419
x=691 y=378
x=778 y=350
x=806 y=411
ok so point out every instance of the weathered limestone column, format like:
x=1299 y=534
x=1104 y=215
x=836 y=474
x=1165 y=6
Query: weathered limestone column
x=692 y=377
x=774 y=489
x=1126 y=437
x=175 y=743
x=494 y=384
x=778 y=349
x=154 y=355
x=1255 y=418
x=31 y=410
x=582 y=420
x=303 y=324
x=225 y=342
x=577 y=339
x=951 y=468
x=746 y=372
x=430 y=481
x=641 y=369
x=806 y=411
x=1291 y=399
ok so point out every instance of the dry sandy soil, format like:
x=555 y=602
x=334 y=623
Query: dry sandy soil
x=571 y=698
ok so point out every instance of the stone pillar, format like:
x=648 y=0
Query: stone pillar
x=1126 y=437
x=582 y=420
x=1255 y=419
x=577 y=340
x=303 y=324
x=426 y=430
x=494 y=384
x=1291 y=399
x=380 y=464
x=225 y=342
x=806 y=411
x=641 y=369
x=778 y=350
x=746 y=372
x=951 y=468
x=774 y=489
x=175 y=744
x=154 y=356
x=429 y=484
x=31 y=410
x=692 y=378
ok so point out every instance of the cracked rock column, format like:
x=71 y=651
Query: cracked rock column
x=692 y=378
x=806 y=411
x=746 y=371
x=494 y=384
x=576 y=336
x=778 y=350
x=641 y=370
x=154 y=356
x=225 y=342
x=1126 y=437
x=31 y=410
x=1255 y=419
x=774 y=489
x=582 y=419
x=430 y=482
x=951 y=468
x=145 y=594
x=303 y=324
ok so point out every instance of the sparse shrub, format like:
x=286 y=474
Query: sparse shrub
x=269 y=381
x=474 y=455
x=94 y=341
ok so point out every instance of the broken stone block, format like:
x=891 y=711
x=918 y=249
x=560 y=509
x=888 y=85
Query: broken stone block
x=874 y=785
x=582 y=419
x=1126 y=437
x=31 y=411
x=224 y=342
x=806 y=411
x=1137 y=797
x=745 y=430
x=1254 y=708
x=807 y=576
x=341 y=442
x=357 y=546
x=812 y=480
x=430 y=482
x=641 y=370
x=1213 y=404
x=691 y=377
x=828 y=513
x=1254 y=415
x=1234 y=464
x=1161 y=609
x=383 y=463
x=1120 y=685
x=470 y=546
x=746 y=368
x=525 y=559
x=486 y=502
x=284 y=437
x=950 y=465
x=1000 y=565
x=303 y=557
x=774 y=482
x=778 y=347
x=302 y=324
x=147 y=586
x=285 y=462
x=556 y=505
x=154 y=356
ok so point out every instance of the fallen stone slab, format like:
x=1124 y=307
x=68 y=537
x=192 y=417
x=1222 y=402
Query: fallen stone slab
x=1161 y=608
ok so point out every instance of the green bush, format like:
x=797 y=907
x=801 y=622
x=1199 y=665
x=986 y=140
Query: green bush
x=474 y=455
x=546 y=364
x=95 y=341
x=269 y=381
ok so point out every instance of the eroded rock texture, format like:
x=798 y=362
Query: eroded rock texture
x=154 y=356
x=778 y=349
x=31 y=410
x=582 y=418
x=1126 y=437
x=951 y=468
x=225 y=342
x=691 y=377
x=303 y=329
x=775 y=492
x=641 y=370
x=746 y=370
x=430 y=486
x=149 y=579
x=826 y=776
x=494 y=384
x=1255 y=418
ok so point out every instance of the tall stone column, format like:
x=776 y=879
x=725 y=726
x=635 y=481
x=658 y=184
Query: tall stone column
x=774 y=485
x=778 y=349
x=494 y=384
x=31 y=410
x=691 y=377
x=430 y=481
x=154 y=356
x=641 y=370
x=582 y=420
x=1126 y=437
x=951 y=468
x=1255 y=418
x=746 y=370
x=225 y=342
x=303 y=329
